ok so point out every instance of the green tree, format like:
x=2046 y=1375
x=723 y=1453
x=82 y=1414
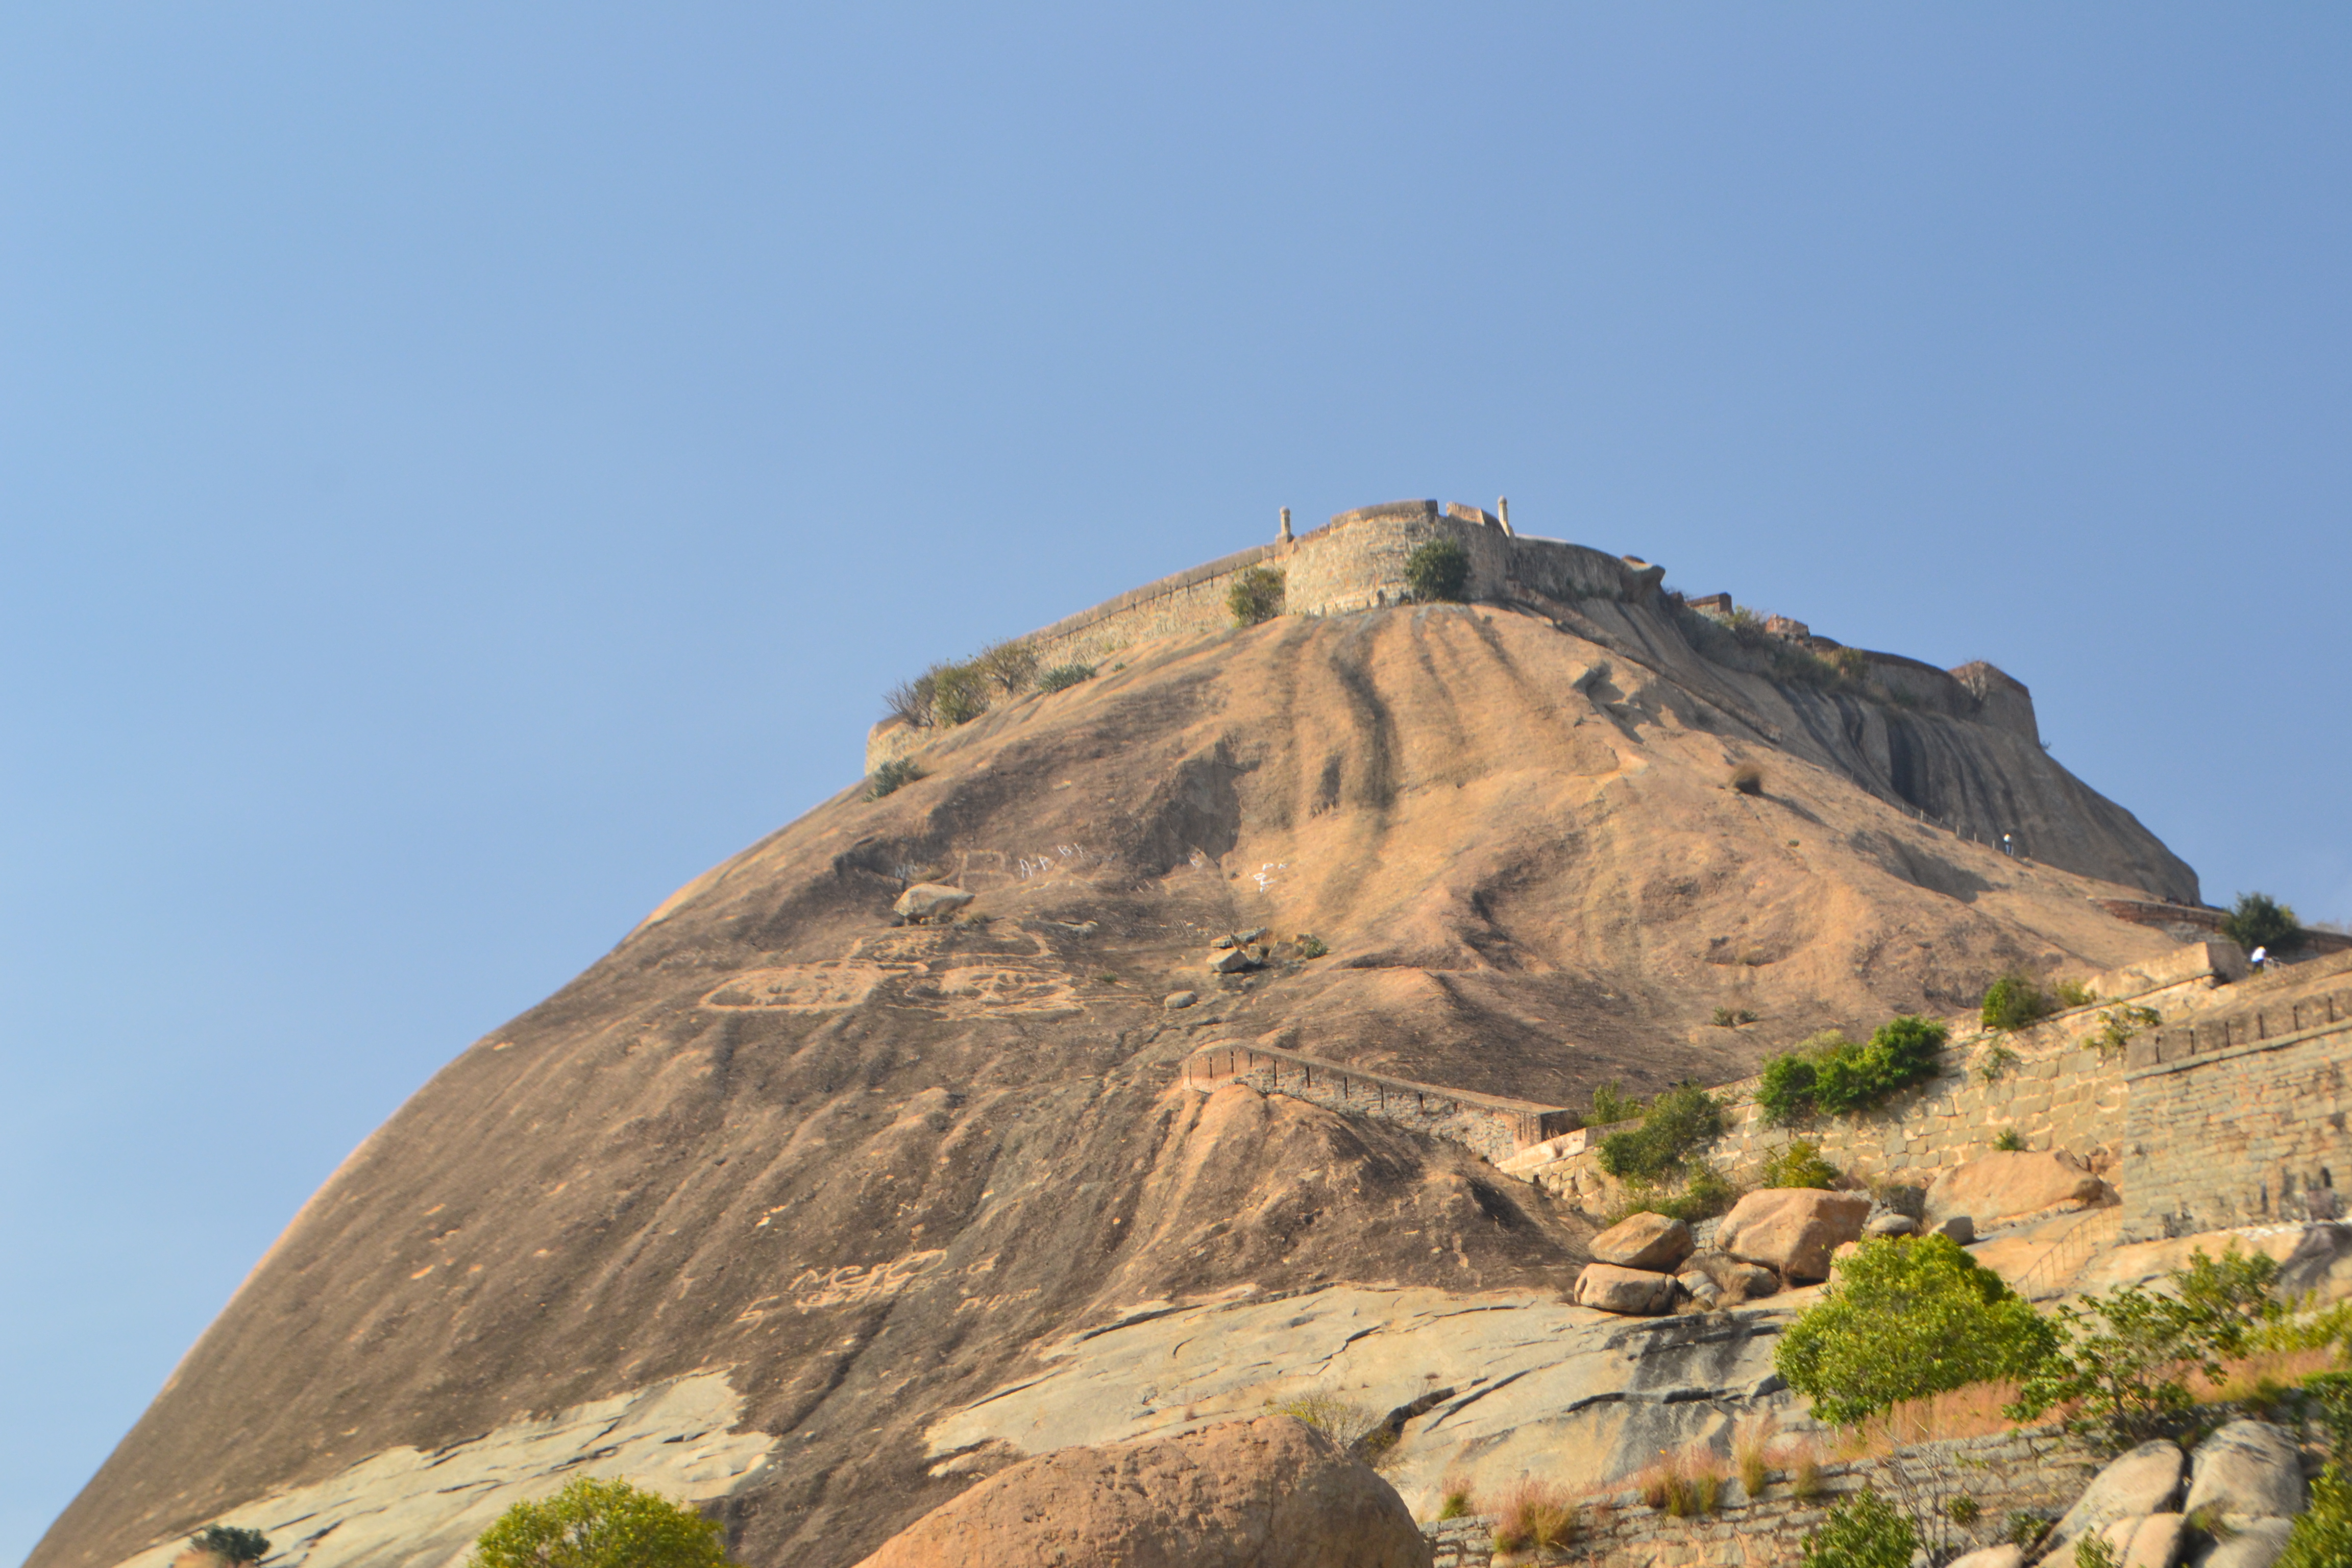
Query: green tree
x=2124 y=1357
x=601 y=1524
x=1862 y=1532
x=2014 y=1001
x=1832 y=1075
x=2323 y=1535
x=1678 y=1121
x=232 y=1545
x=1439 y=570
x=1257 y=596
x=1904 y=1318
x=2257 y=919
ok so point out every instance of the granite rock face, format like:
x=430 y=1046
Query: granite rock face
x=2144 y=1481
x=1238 y=1495
x=2247 y=1467
x=2008 y=1184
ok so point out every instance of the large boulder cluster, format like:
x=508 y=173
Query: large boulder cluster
x=1648 y=1264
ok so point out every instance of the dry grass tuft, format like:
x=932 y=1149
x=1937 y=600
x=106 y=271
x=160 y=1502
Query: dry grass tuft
x=1970 y=1411
x=1535 y=1515
x=1751 y=1451
x=1683 y=1485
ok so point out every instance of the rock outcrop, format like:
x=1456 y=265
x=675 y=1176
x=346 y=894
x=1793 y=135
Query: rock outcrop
x=2008 y=1184
x=1646 y=1241
x=872 y=1173
x=1250 y=1494
x=1633 y=1292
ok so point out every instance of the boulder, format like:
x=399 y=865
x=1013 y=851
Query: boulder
x=2004 y=1555
x=2250 y=1468
x=1704 y=1292
x=2256 y=1543
x=1237 y=1494
x=2151 y=1541
x=1235 y=960
x=2145 y=1481
x=1792 y=1230
x=1648 y=1241
x=1752 y=1280
x=1634 y=1292
x=1891 y=1225
x=1960 y=1228
x=929 y=901
x=1175 y=1000
x=2007 y=1184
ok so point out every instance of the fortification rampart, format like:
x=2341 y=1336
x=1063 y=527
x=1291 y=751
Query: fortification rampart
x=2239 y=1117
x=1490 y=1125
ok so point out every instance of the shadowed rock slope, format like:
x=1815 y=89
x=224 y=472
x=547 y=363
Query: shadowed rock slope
x=862 y=1168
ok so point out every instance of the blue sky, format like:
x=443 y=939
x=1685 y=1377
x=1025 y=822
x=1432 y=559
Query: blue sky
x=464 y=471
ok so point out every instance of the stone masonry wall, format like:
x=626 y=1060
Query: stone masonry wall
x=2037 y=1472
x=2049 y=1084
x=2239 y=1117
x=1354 y=562
x=1488 y=1125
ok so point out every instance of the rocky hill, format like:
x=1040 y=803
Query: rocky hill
x=783 y=1201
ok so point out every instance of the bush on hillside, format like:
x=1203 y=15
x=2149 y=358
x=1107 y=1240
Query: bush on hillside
x=1800 y=1164
x=1865 y=1532
x=1700 y=1192
x=2015 y=1002
x=1011 y=665
x=232 y=1545
x=601 y=1524
x=1257 y=596
x=1679 y=1122
x=1611 y=1103
x=1906 y=1317
x=2257 y=919
x=2124 y=1357
x=959 y=693
x=1062 y=676
x=909 y=701
x=1748 y=779
x=892 y=776
x=1831 y=1076
x=1438 y=571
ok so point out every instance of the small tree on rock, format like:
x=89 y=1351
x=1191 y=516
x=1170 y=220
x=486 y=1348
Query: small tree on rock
x=601 y=1524
x=1438 y=571
x=232 y=1545
x=2257 y=919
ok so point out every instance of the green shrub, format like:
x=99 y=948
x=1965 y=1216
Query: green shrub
x=601 y=1524
x=2093 y=1549
x=1437 y=571
x=1963 y=1510
x=1905 y=1318
x=2014 y=1001
x=1865 y=1532
x=2322 y=1537
x=1062 y=676
x=1702 y=1194
x=1011 y=665
x=959 y=693
x=2257 y=919
x=910 y=700
x=1800 y=1164
x=1257 y=596
x=232 y=1545
x=1456 y=1504
x=2073 y=993
x=2118 y=1025
x=1311 y=945
x=1611 y=1103
x=1683 y=1119
x=2008 y=1142
x=2124 y=1357
x=1831 y=1075
x=1729 y=1018
x=892 y=776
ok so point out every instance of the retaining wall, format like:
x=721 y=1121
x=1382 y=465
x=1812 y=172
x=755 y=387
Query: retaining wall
x=1490 y=1125
x=2038 y=1472
x=2048 y=1084
x=2239 y=1117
